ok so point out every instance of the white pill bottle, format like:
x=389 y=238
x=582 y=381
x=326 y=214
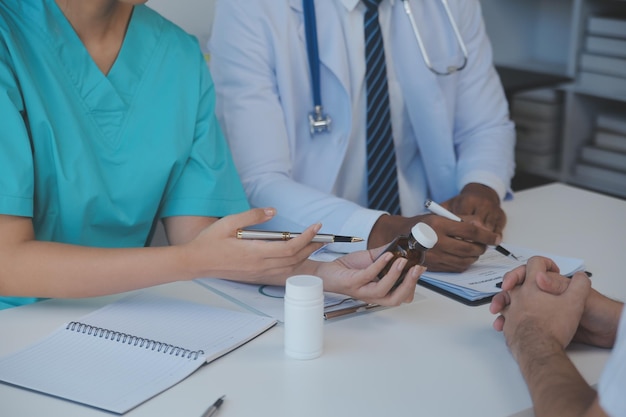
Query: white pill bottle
x=304 y=317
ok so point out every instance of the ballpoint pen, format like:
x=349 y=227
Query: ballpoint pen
x=214 y=407
x=350 y=310
x=443 y=212
x=320 y=238
x=588 y=273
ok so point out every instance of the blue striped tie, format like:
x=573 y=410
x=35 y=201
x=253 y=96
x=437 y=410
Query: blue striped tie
x=382 y=177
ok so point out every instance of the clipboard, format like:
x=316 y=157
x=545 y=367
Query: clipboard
x=456 y=297
x=480 y=282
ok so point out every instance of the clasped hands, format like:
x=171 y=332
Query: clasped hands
x=537 y=305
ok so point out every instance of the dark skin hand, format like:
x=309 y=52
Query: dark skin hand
x=481 y=202
x=460 y=243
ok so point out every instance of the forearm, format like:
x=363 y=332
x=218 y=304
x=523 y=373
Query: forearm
x=555 y=385
x=599 y=324
x=330 y=276
x=47 y=269
x=309 y=267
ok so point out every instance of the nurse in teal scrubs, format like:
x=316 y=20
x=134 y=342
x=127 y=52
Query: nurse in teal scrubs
x=107 y=126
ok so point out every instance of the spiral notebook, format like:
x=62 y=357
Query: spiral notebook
x=129 y=351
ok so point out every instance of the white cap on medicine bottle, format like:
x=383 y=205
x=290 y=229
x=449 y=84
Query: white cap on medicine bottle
x=424 y=235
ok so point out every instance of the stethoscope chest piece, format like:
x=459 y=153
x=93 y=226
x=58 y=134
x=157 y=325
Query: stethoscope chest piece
x=319 y=122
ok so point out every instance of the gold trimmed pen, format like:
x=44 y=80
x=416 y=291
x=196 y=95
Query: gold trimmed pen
x=319 y=238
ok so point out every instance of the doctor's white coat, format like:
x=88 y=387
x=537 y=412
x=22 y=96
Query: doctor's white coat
x=260 y=67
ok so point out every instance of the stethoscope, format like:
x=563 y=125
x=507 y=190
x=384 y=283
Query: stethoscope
x=320 y=122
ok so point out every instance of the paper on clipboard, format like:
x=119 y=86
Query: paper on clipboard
x=480 y=280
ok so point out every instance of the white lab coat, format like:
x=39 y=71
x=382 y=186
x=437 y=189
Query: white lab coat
x=260 y=67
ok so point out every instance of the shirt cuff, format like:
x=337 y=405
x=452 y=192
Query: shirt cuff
x=359 y=224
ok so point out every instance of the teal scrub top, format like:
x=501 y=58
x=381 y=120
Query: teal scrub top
x=95 y=160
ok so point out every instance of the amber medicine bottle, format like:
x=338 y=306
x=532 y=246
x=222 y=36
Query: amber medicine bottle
x=413 y=247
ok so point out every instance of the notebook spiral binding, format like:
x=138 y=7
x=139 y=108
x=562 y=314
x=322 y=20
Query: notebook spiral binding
x=129 y=339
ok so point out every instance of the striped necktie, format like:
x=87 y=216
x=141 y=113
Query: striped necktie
x=381 y=159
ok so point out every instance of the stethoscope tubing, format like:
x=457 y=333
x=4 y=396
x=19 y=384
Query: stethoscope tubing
x=418 y=37
x=318 y=120
x=310 y=27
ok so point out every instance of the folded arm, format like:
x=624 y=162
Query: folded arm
x=540 y=313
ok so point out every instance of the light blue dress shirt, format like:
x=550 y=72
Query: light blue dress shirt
x=96 y=159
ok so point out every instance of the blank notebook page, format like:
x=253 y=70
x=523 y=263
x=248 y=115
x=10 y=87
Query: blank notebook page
x=118 y=370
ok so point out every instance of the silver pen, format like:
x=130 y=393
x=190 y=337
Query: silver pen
x=351 y=310
x=214 y=407
x=320 y=238
x=443 y=212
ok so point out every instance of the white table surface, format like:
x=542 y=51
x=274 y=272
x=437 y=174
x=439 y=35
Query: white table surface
x=434 y=357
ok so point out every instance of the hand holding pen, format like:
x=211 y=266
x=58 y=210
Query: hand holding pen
x=443 y=212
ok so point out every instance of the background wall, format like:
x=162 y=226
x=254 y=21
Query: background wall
x=195 y=16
